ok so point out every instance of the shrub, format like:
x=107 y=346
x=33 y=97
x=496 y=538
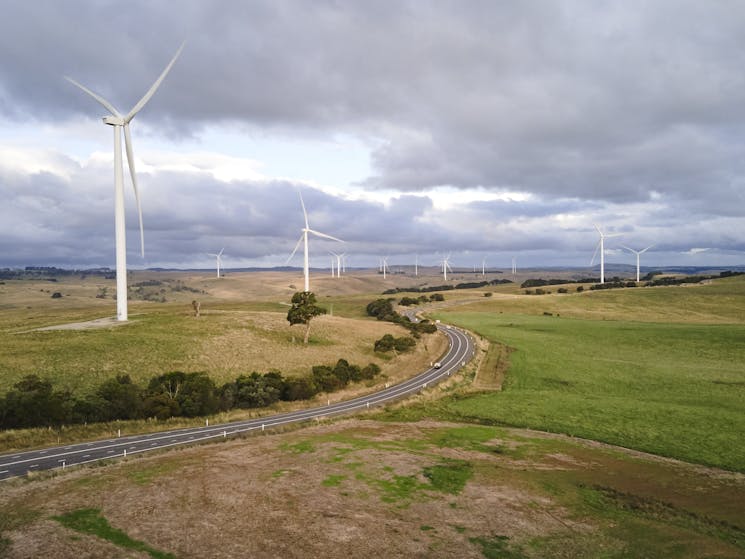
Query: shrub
x=385 y=343
x=404 y=343
x=299 y=388
x=382 y=309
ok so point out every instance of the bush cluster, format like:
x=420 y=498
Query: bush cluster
x=615 y=283
x=389 y=343
x=33 y=402
x=382 y=309
x=410 y=301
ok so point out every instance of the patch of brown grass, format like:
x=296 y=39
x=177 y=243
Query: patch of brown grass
x=320 y=492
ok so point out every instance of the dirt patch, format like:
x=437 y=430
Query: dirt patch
x=108 y=322
x=352 y=488
x=327 y=491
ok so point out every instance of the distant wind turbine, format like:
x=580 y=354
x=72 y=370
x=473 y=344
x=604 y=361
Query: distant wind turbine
x=638 y=253
x=338 y=263
x=446 y=267
x=218 y=258
x=304 y=239
x=514 y=266
x=384 y=265
x=483 y=267
x=601 y=247
x=416 y=265
x=119 y=121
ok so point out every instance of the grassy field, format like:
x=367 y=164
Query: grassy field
x=718 y=302
x=232 y=336
x=673 y=389
x=358 y=488
x=659 y=370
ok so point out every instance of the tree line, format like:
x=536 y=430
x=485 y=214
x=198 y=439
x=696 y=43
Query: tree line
x=35 y=402
x=447 y=287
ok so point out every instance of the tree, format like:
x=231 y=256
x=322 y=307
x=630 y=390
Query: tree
x=303 y=310
x=32 y=403
x=123 y=398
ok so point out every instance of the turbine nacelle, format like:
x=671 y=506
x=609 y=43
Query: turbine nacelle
x=114 y=120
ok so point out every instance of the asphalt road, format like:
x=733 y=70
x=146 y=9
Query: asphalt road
x=461 y=351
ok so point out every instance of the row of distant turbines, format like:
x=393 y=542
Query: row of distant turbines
x=121 y=122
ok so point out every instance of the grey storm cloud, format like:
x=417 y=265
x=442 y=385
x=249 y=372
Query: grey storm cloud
x=600 y=100
x=582 y=105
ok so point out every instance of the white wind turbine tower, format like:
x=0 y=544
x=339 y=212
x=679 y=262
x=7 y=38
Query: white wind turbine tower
x=483 y=267
x=514 y=266
x=384 y=265
x=416 y=265
x=304 y=239
x=638 y=253
x=119 y=121
x=218 y=258
x=338 y=263
x=601 y=247
x=446 y=267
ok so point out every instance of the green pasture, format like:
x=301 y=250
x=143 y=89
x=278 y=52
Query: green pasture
x=675 y=390
x=721 y=301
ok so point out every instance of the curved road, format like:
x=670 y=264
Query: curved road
x=19 y=463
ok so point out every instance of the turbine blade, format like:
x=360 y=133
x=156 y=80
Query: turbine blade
x=646 y=249
x=154 y=87
x=305 y=213
x=629 y=249
x=594 y=254
x=221 y=251
x=300 y=240
x=108 y=106
x=324 y=235
x=131 y=163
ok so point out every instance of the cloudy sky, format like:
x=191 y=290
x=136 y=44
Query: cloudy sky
x=478 y=129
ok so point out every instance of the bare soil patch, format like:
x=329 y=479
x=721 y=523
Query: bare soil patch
x=353 y=488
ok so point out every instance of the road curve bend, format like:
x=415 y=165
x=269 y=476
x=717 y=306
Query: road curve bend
x=460 y=351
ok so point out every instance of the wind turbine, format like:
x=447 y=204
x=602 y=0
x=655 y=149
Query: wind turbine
x=483 y=267
x=446 y=267
x=514 y=266
x=601 y=246
x=304 y=239
x=416 y=265
x=384 y=265
x=119 y=121
x=637 y=252
x=338 y=264
x=218 y=258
